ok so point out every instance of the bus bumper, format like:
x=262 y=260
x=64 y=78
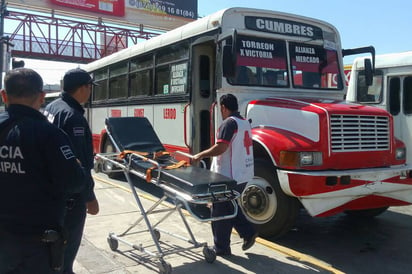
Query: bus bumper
x=325 y=193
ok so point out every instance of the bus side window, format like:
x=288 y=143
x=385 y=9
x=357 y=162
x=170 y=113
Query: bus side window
x=162 y=80
x=140 y=83
x=118 y=80
x=407 y=95
x=141 y=76
x=204 y=71
x=171 y=69
x=101 y=92
x=394 y=95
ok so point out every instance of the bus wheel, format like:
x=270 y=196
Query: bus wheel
x=366 y=213
x=266 y=205
x=111 y=170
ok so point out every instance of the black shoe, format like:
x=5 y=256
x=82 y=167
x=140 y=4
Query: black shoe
x=248 y=243
x=223 y=253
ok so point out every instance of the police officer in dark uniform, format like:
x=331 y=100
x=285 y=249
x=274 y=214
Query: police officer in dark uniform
x=38 y=171
x=68 y=114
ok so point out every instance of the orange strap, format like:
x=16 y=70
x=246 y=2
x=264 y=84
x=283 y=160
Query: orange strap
x=158 y=154
x=176 y=165
x=149 y=174
x=123 y=154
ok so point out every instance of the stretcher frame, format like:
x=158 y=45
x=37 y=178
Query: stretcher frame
x=182 y=201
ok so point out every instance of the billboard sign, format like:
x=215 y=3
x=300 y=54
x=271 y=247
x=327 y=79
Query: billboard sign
x=181 y=8
x=164 y=15
x=112 y=7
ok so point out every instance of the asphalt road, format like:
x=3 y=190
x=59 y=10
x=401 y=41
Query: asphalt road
x=379 y=245
x=338 y=244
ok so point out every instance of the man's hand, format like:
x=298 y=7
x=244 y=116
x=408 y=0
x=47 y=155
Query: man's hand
x=196 y=158
x=92 y=207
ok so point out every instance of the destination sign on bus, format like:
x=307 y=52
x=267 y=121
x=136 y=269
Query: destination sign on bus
x=281 y=26
x=312 y=58
x=178 y=76
x=261 y=52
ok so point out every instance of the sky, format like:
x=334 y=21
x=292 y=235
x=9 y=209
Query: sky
x=384 y=25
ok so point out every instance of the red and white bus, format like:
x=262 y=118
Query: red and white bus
x=311 y=148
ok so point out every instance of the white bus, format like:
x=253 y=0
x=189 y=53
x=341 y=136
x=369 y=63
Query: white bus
x=50 y=96
x=311 y=148
x=391 y=89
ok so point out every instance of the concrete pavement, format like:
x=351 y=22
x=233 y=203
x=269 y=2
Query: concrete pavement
x=118 y=210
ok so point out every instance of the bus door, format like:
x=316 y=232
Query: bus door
x=202 y=96
x=400 y=106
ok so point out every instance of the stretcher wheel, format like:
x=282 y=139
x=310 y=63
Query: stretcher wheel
x=164 y=267
x=210 y=254
x=97 y=166
x=113 y=243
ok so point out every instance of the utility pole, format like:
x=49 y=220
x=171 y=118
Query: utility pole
x=3 y=40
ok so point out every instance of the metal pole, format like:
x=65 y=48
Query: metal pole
x=2 y=14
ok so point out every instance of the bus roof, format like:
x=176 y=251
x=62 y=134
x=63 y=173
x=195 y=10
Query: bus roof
x=53 y=94
x=398 y=59
x=203 y=25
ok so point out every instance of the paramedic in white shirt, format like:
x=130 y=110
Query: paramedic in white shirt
x=233 y=157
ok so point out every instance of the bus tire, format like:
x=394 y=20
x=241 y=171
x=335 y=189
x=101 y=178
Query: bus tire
x=366 y=213
x=116 y=174
x=266 y=205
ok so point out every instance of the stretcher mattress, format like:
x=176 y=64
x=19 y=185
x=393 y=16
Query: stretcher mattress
x=137 y=134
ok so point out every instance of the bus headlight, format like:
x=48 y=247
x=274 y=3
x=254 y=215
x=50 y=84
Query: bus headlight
x=400 y=153
x=300 y=159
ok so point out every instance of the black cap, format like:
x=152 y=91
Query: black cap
x=75 y=78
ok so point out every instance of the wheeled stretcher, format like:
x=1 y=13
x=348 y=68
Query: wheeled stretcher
x=140 y=153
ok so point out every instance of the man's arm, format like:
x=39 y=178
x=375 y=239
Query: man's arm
x=77 y=130
x=225 y=134
x=214 y=150
x=65 y=169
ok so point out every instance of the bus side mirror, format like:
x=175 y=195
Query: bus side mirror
x=229 y=55
x=368 y=72
x=228 y=61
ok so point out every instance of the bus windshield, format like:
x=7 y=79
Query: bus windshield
x=370 y=94
x=264 y=62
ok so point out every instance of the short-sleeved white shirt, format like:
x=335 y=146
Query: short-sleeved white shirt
x=237 y=161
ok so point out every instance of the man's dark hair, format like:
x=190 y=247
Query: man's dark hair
x=229 y=101
x=23 y=82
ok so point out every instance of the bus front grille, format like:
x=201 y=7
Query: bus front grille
x=359 y=133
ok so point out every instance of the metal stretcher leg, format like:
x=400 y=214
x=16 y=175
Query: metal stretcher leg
x=164 y=267
x=139 y=152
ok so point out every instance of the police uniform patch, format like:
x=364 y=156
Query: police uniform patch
x=78 y=131
x=67 y=152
